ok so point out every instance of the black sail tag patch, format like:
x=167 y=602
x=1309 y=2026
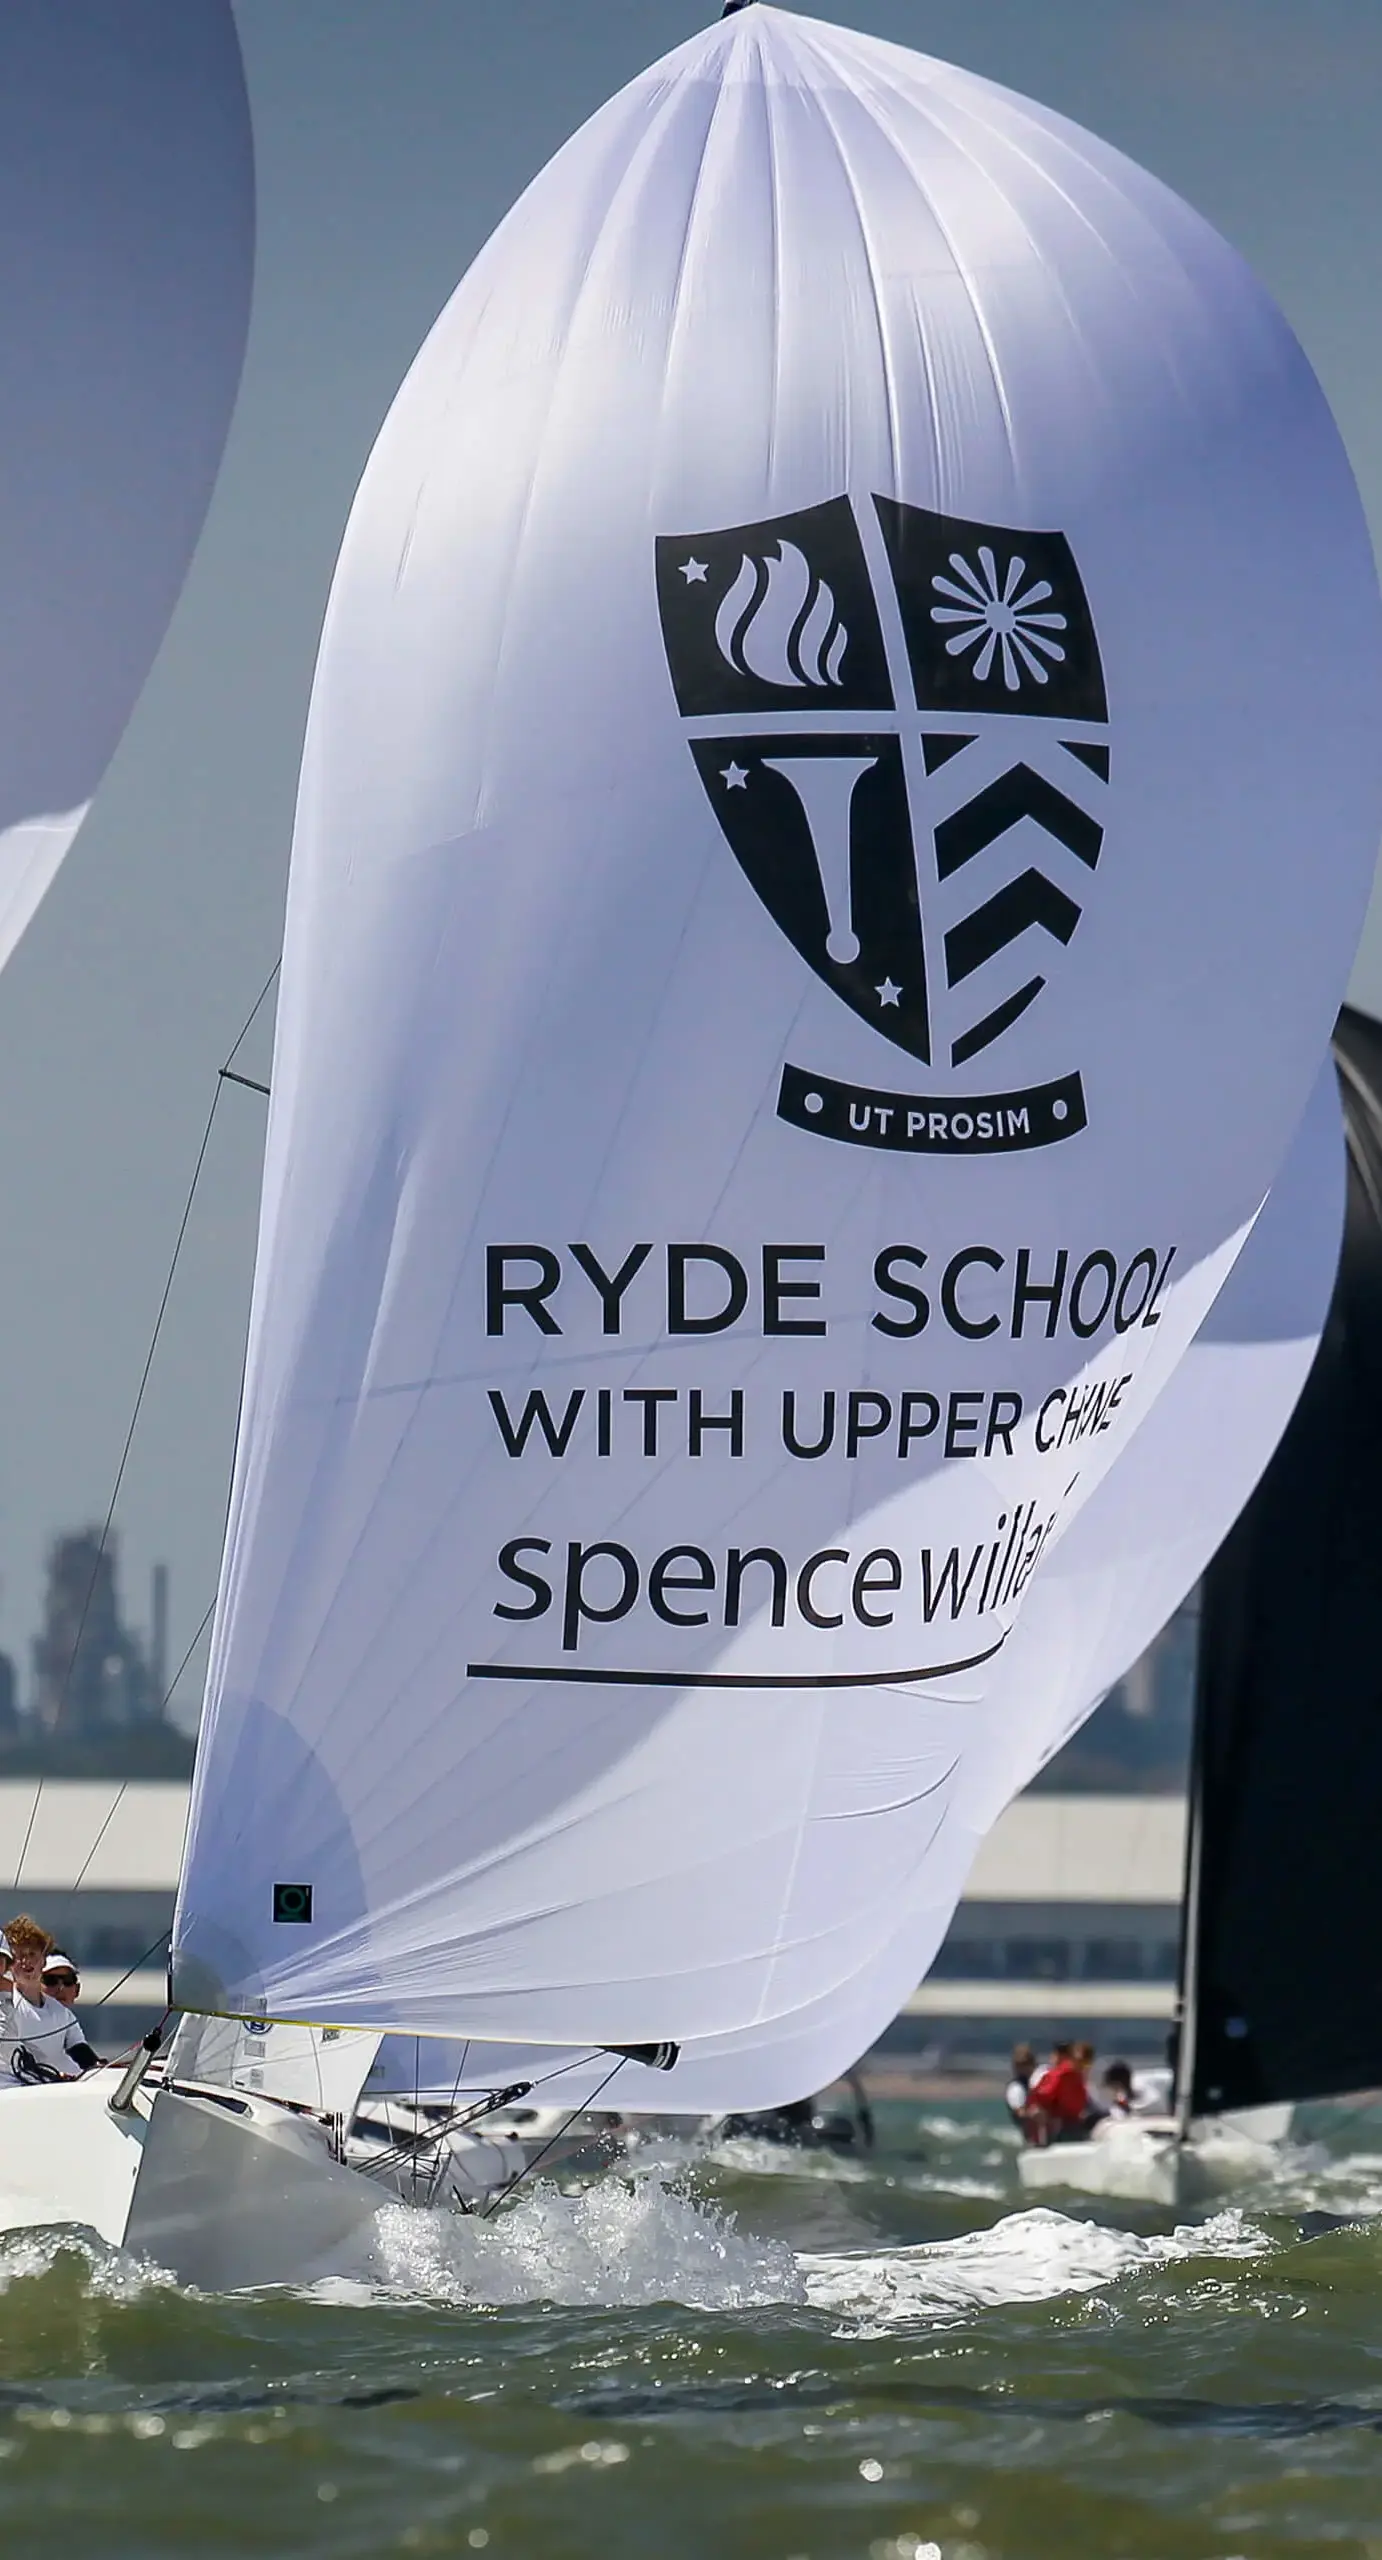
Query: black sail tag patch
x=924 y=854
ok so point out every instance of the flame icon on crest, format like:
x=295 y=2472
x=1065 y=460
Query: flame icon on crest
x=780 y=622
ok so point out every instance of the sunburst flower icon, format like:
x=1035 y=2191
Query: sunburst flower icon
x=999 y=618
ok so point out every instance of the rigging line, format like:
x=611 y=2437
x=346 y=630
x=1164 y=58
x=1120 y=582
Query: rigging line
x=455 y=2094
x=486 y=2102
x=124 y=1786
x=104 y=1541
x=559 y=2136
x=560 y=2070
x=460 y=2119
x=249 y=1021
x=402 y=2153
x=460 y=2067
x=137 y=1967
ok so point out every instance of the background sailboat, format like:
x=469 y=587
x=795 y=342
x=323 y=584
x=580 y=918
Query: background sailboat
x=126 y=256
x=1279 y=1988
x=1286 y=1784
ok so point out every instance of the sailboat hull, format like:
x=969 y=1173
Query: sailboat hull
x=235 y=2192
x=224 y=2192
x=66 y=2160
x=1145 y=2162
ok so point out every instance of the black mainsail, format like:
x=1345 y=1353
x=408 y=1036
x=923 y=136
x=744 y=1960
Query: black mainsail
x=1280 y=1982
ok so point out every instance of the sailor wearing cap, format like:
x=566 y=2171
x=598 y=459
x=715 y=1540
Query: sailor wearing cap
x=47 y=2032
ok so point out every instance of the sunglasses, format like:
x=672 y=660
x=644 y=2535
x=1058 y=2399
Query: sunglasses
x=63 y=1981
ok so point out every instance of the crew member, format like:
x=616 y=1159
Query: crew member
x=48 y=2040
x=62 y=1983
x=1059 y=2098
x=1016 y=2096
x=1117 y=2088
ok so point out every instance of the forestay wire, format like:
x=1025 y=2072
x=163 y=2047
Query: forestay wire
x=225 y=1075
x=559 y=2136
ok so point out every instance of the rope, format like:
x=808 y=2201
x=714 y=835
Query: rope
x=123 y=1788
x=396 y=2155
x=559 y=2069
x=459 y=2120
x=559 y=2136
x=104 y=1540
x=137 y=1967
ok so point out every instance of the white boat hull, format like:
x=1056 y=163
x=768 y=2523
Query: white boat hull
x=224 y=2192
x=1145 y=2161
x=65 y=2159
x=236 y=2191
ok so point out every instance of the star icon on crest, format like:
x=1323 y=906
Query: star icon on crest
x=889 y=993
x=735 y=777
x=695 y=572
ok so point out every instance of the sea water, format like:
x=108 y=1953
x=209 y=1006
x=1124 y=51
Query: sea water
x=743 y=2354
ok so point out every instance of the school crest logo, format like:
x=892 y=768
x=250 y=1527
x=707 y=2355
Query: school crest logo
x=900 y=723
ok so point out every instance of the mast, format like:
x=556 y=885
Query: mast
x=1188 y=1988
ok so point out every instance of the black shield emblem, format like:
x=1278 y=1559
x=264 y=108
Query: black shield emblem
x=852 y=693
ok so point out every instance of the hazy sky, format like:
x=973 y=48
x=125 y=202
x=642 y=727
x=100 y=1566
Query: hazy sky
x=391 y=134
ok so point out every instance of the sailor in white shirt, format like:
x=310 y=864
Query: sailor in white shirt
x=1136 y=2093
x=1024 y=2065
x=46 y=2027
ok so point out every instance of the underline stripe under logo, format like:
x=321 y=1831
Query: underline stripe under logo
x=587 y=1676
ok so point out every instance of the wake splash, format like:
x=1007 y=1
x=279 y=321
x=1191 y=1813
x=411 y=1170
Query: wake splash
x=88 y=2265
x=747 y=2157
x=621 y=2242
x=1027 y=2257
x=630 y=2242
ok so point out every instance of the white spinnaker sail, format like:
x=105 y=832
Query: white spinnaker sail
x=668 y=1083
x=126 y=253
x=1138 y=1546
x=1164 y=1510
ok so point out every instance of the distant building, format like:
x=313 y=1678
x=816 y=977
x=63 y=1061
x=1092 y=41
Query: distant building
x=97 y=1705
x=1070 y=1925
x=90 y=1672
x=1138 y=1741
